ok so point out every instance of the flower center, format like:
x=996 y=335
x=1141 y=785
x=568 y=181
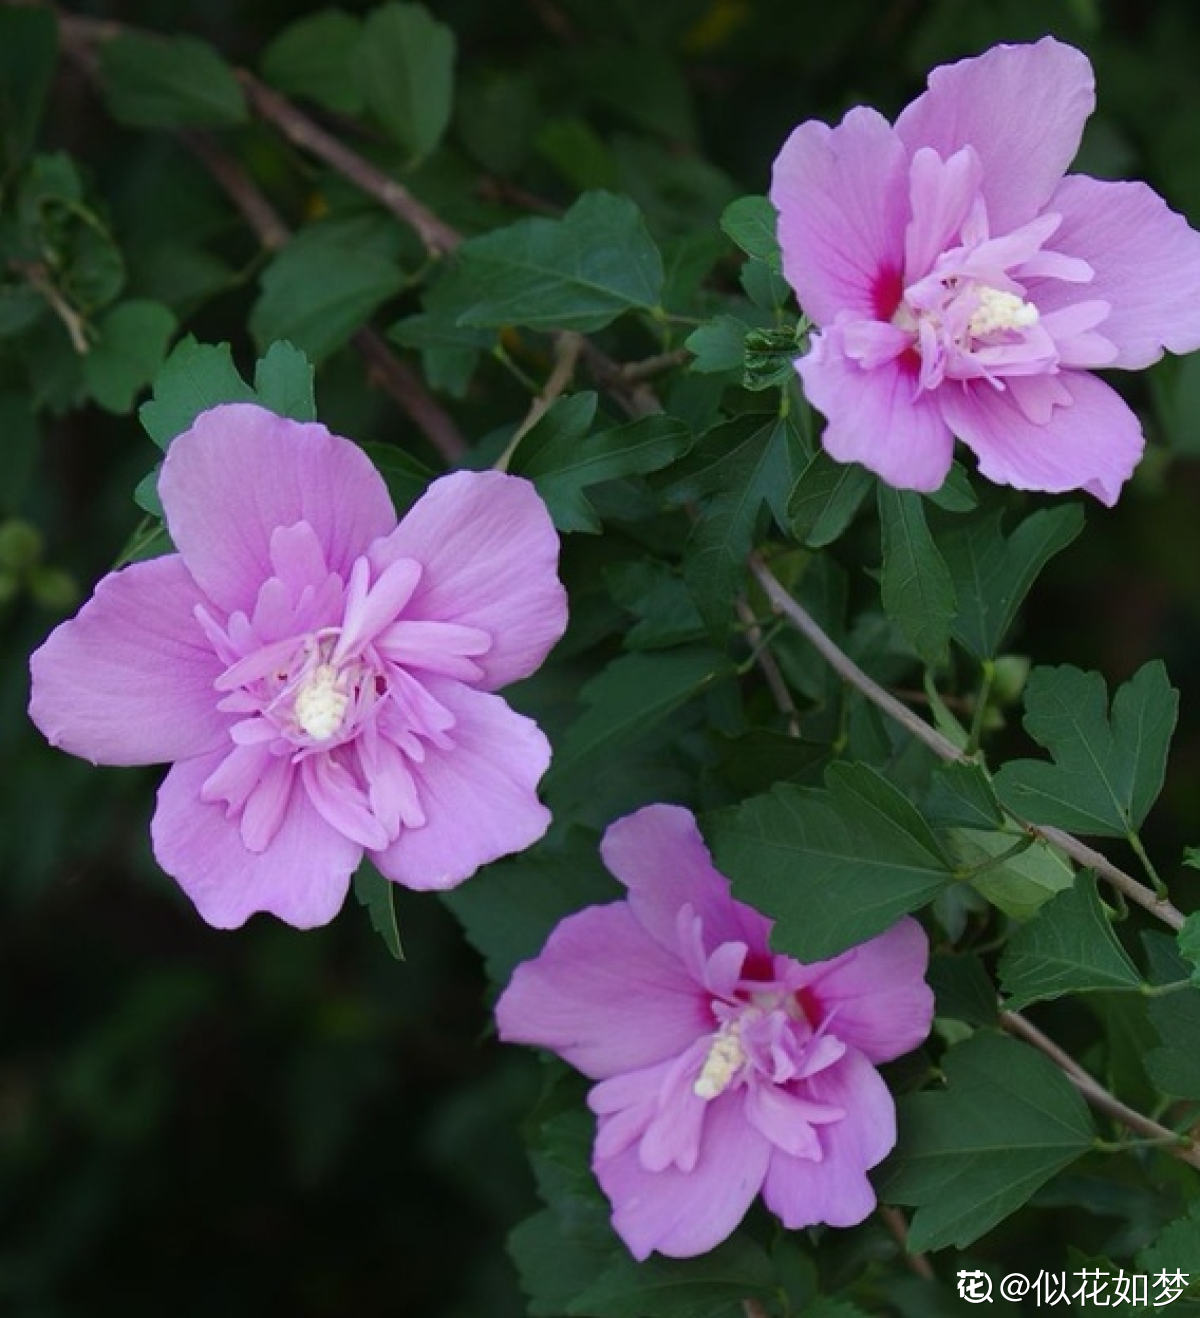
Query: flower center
x=320 y=703
x=725 y=1059
x=998 y=310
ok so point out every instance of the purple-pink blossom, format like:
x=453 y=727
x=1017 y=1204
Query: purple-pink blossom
x=319 y=677
x=964 y=287
x=722 y=1069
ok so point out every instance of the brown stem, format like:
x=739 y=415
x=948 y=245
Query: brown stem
x=897 y=1224
x=752 y=1309
x=656 y=365
x=438 y=237
x=770 y=668
x=783 y=603
x=567 y=347
x=1179 y=1146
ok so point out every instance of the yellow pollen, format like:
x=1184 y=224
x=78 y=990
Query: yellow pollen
x=320 y=706
x=998 y=310
x=724 y=1060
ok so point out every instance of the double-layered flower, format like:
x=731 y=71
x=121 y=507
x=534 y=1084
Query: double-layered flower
x=320 y=677
x=722 y=1069
x=963 y=286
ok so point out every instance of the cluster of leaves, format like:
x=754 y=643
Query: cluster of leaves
x=656 y=692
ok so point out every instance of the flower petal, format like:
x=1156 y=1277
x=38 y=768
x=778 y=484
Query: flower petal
x=302 y=875
x=842 y=198
x=682 y=1214
x=129 y=679
x=802 y=1192
x=876 y=416
x=479 y=795
x=1022 y=108
x=490 y=554
x=242 y=472
x=1094 y=444
x=1146 y=263
x=876 y=992
x=658 y=854
x=604 y=996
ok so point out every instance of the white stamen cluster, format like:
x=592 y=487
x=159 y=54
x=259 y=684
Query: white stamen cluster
x=320 y=704
x=725 y=1059
x=998 y=310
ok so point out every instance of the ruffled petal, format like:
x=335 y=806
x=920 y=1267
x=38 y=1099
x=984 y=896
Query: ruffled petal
x=842 y=198
x=604 y=996
x=242 y=472
x=129 y=679
x=301 y=876
x=658 y=854
x=682 y=1214
x=1093 y=445
x=490 y=558
x=835 y=1190
x=876 y=992
x=479 y=795
x=876 y=416
x=1146 y=264
x=1022 y=108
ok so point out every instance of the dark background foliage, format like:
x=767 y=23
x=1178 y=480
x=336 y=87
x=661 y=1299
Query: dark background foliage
x=261 y=1122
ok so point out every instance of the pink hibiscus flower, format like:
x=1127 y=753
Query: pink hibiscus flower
x=723 y=1069
x=964 y=287
x=319 y=676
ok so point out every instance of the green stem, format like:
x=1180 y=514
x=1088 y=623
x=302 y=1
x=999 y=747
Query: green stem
x=1023 y=843
x=1147 y=1142
x=981 y=706
x=1147 y=864
x=1161 y=990
x=499 y=353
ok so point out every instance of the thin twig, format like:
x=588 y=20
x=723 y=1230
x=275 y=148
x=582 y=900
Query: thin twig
x=1179 y=1146
x=770 y=667
x=649 y=367
x=241 y=189
x=405 y=385
x=752 y=1309
x=567 y=347
x=783 y=603
x=438 y=237
x=897 y=1224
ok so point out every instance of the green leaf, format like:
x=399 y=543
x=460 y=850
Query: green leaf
x=955 y=494
x=406 y=477
x=145 y=493
x=449 y=351
x=131 y=347
x=28 y=54
x=1020 y=885
x=961 y=796
x=195 y=377
x=169 y=82
x=1176 y=1248
x=968 y=1157
x=577 y=273
x=918 y=593
x=750 y=222
x=283 y=381
x=715 y=1285
x=660 y=600
x=629 y=697
x=1175 y=1017
x=756 y=470
x=1068 y=947
x=509 y=908
x=993 y=574
x=563 y=460
x=962 y=988
x=553 y=1261
x=313 y=57
x=321 y=287
x=1106 y=775
x=405 y=63
x=832 y=867
x=377 y=895
x=1188 y=939
x=825 y=498
x=718 y=345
